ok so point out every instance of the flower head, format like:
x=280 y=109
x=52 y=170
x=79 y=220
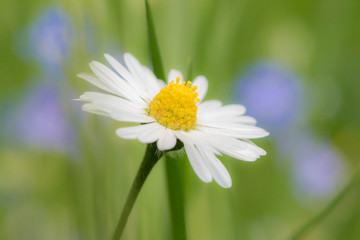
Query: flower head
x=172 y=112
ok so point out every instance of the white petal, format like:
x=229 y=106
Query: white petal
x=113 y=103
x=202 y=83
x=152 y=134
x=132 y=132
x=216 y=168
x=223 y=112
x=153 y=84
x=173 y=74
x=242 y=120
x=113 y=81
x=167 y=141
x=239 y=149
x=233 y=109
x=246 y=155
x=117 y=108
x=142 y=73
x=240 y=131
x=131 y=117
x=88 y=107
x=119 y=115
x=245 y=120
x=128 y=77
x=208 y=105
x=197 y=163
x=255 y=148
x=215 y=140
x=95 y=81
x=150 y=75
x=120 y=68
x=241 y=154
x=212 y=113
x=133 y=65
x=161 y=84
x=185 y=137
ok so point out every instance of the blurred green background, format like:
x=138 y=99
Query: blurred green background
x=295 y=65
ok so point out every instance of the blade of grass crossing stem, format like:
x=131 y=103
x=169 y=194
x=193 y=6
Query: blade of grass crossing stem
x=172 y=166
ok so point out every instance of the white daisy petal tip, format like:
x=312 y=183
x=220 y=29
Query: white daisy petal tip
x=131 y=132
x=206 y=180
x=167 y=141
x=173 y=74
x=80 y=75
x=202 y=86
x=110 y=58
x=154 y=132
x=216 y=168
x=265 y=133
x=196 y=160
x=226 y=184
x=130 y=59
x=123 y=135
x=263 y=153
x=93 y=62
x=128 y=55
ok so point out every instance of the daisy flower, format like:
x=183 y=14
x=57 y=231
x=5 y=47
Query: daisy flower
x=175 y=111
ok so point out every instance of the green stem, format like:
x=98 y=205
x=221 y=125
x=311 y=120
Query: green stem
x=320 y=216
x=150 y=159
x=175 y=169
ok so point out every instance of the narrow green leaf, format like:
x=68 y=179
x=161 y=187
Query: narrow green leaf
x=173 y=166
x=153 y=45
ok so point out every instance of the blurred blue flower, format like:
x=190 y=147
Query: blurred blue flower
x=50 y=37
x=317 y=167
x=271 y=94
x=39 y=121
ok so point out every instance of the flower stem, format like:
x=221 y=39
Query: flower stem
x=150 y=159
x=320 y=216
x=175 y=169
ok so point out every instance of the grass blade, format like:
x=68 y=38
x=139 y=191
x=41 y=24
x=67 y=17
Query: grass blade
x=153 y=45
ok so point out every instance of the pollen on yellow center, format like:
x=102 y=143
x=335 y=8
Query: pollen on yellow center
x=175 y=107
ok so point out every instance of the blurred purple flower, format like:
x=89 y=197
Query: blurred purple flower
x=317 y=167
x=40 y=121
x=50 y=36
x=271 y=94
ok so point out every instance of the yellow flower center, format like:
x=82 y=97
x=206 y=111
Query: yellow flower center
x=175 y=107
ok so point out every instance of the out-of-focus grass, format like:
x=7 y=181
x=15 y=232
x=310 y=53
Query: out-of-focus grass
x=78 y=194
